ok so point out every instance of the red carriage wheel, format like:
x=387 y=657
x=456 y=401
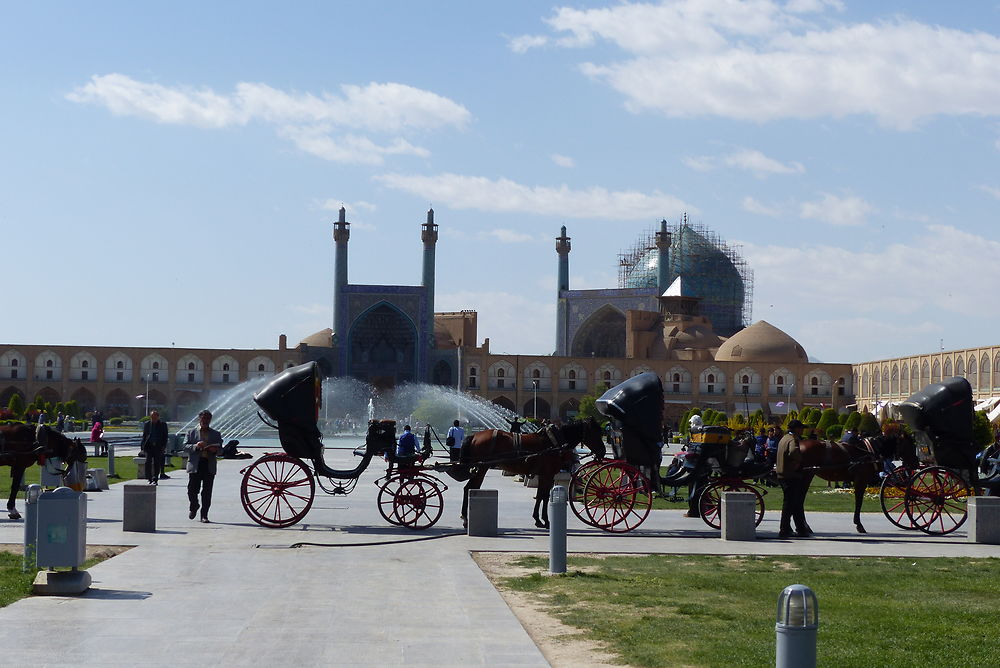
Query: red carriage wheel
x=576 y=487
x=710 y=501
x=414 y=502
x=277 y=490
x=936 y=500
x=892 y=496
x=617 y=497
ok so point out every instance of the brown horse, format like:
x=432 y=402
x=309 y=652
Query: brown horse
x=858 y=461
x=543 y=453
x=22 y=445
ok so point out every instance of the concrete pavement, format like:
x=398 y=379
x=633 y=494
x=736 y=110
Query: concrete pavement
x=233 y=593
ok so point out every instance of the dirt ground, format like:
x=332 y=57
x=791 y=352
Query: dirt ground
x=93 y=551
x=560 y=644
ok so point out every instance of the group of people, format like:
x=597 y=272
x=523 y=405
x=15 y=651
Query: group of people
x=407 y=446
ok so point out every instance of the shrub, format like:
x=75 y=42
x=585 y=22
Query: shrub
x=115 y=421
x=834 y=431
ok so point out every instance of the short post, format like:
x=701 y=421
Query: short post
x=557 y=529
x=111 y=459
x=984 y=520
x=795 y=629
x=31 y=527
x=738 y=516
x=139 y=508
x=482 y=512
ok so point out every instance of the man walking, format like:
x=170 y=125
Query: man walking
x=154 y=444
x=454 y=440
x=203 y=445
x=794 y=482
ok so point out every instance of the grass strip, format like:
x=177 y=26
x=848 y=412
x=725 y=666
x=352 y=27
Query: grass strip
x=693 y=610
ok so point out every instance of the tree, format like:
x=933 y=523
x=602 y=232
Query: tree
x=826 y=420
x=869 y=425
x=16 y=405
x=852 y=421
x=72 y=408
x=588 y=408
x=982 y=432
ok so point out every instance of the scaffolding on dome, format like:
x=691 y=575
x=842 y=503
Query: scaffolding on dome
x=714 y=269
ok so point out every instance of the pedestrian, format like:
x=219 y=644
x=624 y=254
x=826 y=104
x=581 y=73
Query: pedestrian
x=202 y=445
x=407 y=446
x=42 y=418
x=515 y=425
x=760 y=446
x=454 y=441
x=60 y=423
x=97 y=438
x=154 y=444
x=794 y=482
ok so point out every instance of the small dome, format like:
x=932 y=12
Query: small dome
x=321 y=339
x=697 y=336
x=761 y=342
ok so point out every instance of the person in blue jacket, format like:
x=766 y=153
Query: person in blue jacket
x=407 y=446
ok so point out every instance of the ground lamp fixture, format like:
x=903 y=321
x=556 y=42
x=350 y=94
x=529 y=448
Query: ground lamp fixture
x=795 y=628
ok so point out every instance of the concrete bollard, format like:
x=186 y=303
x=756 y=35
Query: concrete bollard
x=738 y=515
x=111 y=459
x=558 y=499
x=139 y=511
x=102 y=479
x=984 y=520
x=30 y=527
x=482 y=513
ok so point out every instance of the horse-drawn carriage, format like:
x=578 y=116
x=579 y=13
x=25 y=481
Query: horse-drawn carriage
x=932 y=494
x=279 y=488
x=617 y=495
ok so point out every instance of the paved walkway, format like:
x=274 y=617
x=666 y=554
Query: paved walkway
x=233 y=593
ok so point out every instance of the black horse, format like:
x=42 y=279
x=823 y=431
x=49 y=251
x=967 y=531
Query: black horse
x=542 y=453
x=22 y=445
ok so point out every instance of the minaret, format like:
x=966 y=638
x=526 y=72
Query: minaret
x=429 y=235
x=341 y=234
x=663 y=259
x=562 y=310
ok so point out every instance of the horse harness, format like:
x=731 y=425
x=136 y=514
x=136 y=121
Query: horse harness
x=552 y=432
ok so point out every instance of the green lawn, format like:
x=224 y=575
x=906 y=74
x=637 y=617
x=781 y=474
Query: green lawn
x=14 y=584
x=689 y=610
x=820 y=499
x=125 y=469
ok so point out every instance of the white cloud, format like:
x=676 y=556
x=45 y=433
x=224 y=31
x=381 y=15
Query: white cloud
x=746 y=159
x=503 y=195
x=562 y=160
x=700 y=163
x=993 y=191
x=849 y=210
x=845 y=298
x=333 y=204
x=348 y=148
x=759 y=61
x=311 y=309
x=523 y=43
x=308 y=120
x=753 y=206
x=509 y=236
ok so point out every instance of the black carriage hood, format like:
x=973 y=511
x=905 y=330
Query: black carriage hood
x=292 y=399
x=636 y=403
x=942 y=410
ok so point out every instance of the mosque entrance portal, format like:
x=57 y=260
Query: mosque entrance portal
x=383 y=347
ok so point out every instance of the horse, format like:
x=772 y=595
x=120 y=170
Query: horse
x=543 y=453
x=22 y=445
x=858 y=461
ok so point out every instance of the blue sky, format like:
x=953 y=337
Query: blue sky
x=169 y=172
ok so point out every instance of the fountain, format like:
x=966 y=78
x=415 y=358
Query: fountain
x=348 y=405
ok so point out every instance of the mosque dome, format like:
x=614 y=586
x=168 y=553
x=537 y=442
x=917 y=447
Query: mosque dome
x=321 y=339
x=710 y=272
x=761 y=342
